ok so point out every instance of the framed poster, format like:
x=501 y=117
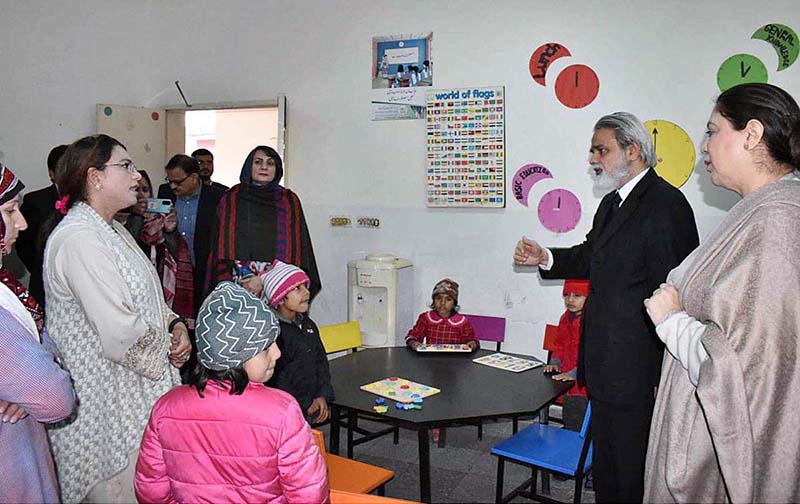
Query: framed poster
x=466 y=147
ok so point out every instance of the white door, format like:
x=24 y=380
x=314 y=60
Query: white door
x=143 y=131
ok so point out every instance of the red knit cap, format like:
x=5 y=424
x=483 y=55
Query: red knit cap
x=576 y=287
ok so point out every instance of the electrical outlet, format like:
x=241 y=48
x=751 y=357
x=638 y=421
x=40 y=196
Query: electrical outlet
x=341 y=221
x=368 y=222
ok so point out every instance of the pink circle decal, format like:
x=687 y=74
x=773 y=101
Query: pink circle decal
x=542 y=57
x=577 y=86
x=154 y=116
x=525 y=178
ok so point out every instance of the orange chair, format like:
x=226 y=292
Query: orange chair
x=340 y=497
x=351 y=475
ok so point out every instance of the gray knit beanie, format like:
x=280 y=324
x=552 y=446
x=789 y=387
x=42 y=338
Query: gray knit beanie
x=233 y=326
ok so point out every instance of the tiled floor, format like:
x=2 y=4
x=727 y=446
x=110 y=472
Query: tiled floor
x=463 y=471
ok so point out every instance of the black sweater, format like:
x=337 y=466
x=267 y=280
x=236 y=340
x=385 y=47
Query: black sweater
x=302 y=370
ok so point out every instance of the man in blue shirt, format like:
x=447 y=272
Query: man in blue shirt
x=196 y=206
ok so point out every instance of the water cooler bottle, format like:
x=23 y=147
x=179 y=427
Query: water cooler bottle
x=380 y=295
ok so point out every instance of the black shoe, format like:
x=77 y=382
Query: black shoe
x=587 y=484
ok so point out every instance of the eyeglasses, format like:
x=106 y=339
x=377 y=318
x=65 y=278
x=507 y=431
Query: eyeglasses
x=128 y=165
x=176 y=183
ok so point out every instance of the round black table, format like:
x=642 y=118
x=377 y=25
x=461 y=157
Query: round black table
x=469 y=392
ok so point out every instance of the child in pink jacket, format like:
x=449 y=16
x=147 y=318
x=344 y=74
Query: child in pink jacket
x=226 y=437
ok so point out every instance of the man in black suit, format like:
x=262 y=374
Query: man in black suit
x=642 y=229
x=37 y=207
x=196 y=206
x=205 y=159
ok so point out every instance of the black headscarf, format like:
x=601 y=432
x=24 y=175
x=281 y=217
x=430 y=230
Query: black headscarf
x=246 y=176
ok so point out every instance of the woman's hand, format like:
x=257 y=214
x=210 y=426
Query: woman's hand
x=171 y=221
x=320 y=407
x=472 y=345
x=552 y=368
x=253 y=284
x=664 y=302
x=181 y=347
x=12 y=413
x=413 y=344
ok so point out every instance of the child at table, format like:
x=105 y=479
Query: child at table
x=443 y=323
x=303 y=371
x=226 y=437
x=564 y=360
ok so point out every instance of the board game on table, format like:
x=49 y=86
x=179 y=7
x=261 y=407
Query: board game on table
x=399 y=389
x=443 y=347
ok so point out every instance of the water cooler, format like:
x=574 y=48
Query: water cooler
x=380 y=296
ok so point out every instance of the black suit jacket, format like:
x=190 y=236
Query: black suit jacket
x=206 y=214
x=651 y=233
x=37 y=207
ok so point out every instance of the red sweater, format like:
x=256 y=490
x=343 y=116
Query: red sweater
x=567 y=345
x=432 y=329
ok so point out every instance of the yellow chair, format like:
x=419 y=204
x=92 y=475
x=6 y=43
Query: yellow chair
x=351 y=475
x=341 y=337
x=340 y=497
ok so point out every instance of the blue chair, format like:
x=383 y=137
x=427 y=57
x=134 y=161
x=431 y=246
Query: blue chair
x=549 y=449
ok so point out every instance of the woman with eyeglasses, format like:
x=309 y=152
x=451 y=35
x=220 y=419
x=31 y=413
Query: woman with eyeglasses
x=258 y=221
x=106 y=311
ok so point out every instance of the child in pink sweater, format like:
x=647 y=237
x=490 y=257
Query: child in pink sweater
x=226 y=437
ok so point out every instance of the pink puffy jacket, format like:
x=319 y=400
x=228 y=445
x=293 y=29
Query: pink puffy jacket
x=254 y=447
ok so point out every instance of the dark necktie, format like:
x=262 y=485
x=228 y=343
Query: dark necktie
x=613 y=207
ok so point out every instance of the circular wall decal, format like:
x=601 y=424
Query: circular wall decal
x=559 y=210
x=740 y=69
x=577 y=86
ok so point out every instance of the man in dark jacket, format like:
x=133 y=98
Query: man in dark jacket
x=37 y=207
x=642 y=229
x=196 y=206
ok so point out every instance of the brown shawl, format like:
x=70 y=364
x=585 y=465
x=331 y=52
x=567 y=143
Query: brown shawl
x=735 y=437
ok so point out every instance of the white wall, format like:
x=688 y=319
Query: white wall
x=655 y=59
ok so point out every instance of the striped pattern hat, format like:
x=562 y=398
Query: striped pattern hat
x=281 y=279
x=233 y=326
x=10 y=185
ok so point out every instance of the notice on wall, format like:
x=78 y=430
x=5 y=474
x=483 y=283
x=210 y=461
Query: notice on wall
x=402 y=68
x=466 y=147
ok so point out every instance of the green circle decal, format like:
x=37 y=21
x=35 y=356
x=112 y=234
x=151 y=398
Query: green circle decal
x=741 y=69
x=783 y=40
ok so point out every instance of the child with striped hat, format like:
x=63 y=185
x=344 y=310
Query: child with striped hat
x=303 y=369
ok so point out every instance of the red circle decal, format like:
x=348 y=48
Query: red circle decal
x=577 y=86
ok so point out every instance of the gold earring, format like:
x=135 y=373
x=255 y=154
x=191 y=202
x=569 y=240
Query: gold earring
x=97 y=187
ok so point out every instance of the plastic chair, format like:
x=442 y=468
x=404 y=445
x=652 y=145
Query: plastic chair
x=549 y=449
x=341 y=337
x=488 y=328
x=346 y=336
x=351 y=475
x=340 y=497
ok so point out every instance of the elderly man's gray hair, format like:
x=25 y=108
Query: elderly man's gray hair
x=629 y=130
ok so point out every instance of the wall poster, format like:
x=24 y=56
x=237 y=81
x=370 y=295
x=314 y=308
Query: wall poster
x=401 y=66
x=466 y=147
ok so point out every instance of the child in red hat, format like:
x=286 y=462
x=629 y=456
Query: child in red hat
x=564 y=360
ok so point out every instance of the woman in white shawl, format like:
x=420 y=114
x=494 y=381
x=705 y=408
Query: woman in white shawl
x=106 y=311
x=725 y=425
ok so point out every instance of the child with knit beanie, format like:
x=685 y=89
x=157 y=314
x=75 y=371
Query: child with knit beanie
x=303 y=370
x=443 y=323
x=564 y=360
x=226 y=437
